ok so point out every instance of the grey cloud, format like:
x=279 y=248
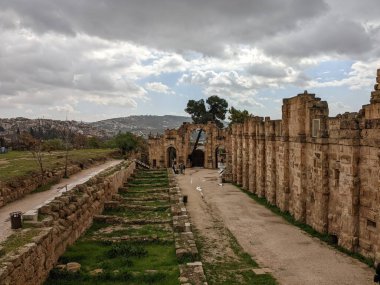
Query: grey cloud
x=327 y=35
x=268 y=70
x=204 y=26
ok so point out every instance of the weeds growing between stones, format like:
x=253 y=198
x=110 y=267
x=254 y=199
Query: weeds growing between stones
x=105 y=248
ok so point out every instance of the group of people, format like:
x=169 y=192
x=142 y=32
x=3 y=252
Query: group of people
x=181 y=168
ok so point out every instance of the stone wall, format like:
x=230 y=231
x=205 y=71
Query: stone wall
x=180 y=140
x=18 y=188
x=324 y=171
x=65 y=219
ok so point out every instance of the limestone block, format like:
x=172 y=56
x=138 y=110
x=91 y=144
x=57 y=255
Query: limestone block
x=73 y=266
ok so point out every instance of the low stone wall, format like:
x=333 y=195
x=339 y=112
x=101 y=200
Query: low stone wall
x=64 y=220
x=17 y=189
x=192 y=271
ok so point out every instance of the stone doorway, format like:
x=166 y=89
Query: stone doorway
x=172 y=156
x=220 y=157
x=198 y=159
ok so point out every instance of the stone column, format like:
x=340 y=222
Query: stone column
x=252 y=156
x=239 y=150
x=245 y=156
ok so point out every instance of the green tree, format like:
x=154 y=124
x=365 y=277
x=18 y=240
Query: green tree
x=216 y=111
x=237 y=116
x=126 y=142
x=53 y=144
x=94 y=142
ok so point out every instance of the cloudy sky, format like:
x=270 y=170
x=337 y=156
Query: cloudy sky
x=98 y=59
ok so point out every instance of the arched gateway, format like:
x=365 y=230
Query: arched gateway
x=171 y=156
x=192 y=144
x=198 y=158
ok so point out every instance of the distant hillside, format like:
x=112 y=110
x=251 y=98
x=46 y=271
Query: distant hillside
x=140 y=124
x=44 y=128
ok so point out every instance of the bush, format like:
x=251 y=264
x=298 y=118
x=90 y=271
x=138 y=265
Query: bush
x=126 y=250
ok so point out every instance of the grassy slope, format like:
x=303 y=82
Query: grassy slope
x=16 y=164
x=158 y=265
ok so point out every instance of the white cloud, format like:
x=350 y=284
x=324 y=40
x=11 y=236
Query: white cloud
x=70 y=55
x=158 y=87
x=361 y=76
x=65 y=109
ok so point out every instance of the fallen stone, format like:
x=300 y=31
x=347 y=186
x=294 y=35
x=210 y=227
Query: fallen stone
x=73 y=266
x=96 y=272
x=61 y=267
x=259 y=271
x=183 y=279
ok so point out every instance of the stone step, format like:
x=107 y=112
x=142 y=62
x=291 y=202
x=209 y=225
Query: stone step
x=146 y=185
x=138 y=239
x=154 y=190
x=144 y=208
x=142 y=199
x=120 y=220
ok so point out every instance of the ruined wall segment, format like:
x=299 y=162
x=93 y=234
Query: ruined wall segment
x=65 y=219
x=180 y=140
x=324 y=171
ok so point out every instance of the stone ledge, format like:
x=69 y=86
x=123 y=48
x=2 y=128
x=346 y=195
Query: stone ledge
x=186 y=249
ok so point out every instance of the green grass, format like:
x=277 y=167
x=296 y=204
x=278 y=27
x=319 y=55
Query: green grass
x=133 y=214
x=140 y=230
x=126 y=262
x=325 y=237
x=46 y=186
x=153 y=203
x=18 y=164
x=231 y=271
x=17 y=240
x=131 y=257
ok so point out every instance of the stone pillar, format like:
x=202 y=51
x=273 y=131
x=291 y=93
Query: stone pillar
x=245 y=156
x=239 y=150
x=252 y=156
x=351 y=185
x=234 y=153
x=283 y=163
x=270 y=157
x=261 y=167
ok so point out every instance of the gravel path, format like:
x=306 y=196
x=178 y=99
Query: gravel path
x=31 y=201
x=294 y=257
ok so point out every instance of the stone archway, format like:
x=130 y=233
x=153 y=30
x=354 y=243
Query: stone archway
x=220 y=157
x=198 y=158
x=172 y=156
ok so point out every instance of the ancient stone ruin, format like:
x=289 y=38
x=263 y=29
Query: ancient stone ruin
x=324 y=171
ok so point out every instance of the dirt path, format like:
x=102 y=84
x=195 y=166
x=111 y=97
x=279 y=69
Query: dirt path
x=31 y=201
x=294 y=257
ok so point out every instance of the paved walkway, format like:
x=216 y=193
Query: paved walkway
x=31 y=201
x=294 y=257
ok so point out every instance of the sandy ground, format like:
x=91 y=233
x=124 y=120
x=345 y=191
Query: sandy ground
x=32 y=201
x=294 y=257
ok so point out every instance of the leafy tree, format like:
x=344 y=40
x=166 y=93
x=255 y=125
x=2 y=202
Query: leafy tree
x=94 y=142
x=216 y=111
x=126 y=142
x=237 y=116
x=53 y=144
x=197 y=110
x=35 y=147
